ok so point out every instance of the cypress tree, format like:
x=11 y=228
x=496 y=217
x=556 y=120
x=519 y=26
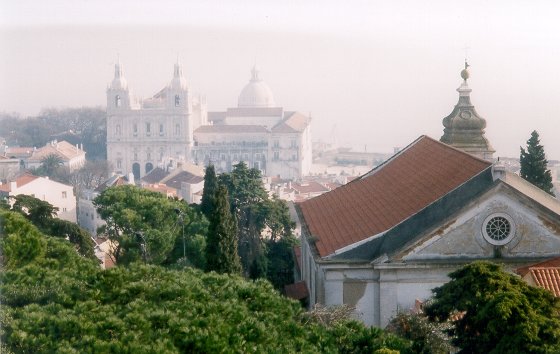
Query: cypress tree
x=221 y=243
x=534 y=164
x=210 y=186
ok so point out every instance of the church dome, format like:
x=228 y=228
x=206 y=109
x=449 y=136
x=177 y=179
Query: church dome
x=256 y=93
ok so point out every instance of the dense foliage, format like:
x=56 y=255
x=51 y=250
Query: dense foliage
x=43 y=215
x=221 y=243
x=148 y=226
x=209 y=191
x=497 y=312
x=85 y=126
x=534 y=164
x=264 y=227
x=60 y=302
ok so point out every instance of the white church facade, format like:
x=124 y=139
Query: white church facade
x=141 y=134
x=175 y=125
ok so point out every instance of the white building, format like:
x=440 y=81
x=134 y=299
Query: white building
x=258 y=132
x=72 y=156
x=57 y=194
x=143 y=132
x=88 y=218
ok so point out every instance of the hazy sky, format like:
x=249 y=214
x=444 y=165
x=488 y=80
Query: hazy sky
x=373 y=74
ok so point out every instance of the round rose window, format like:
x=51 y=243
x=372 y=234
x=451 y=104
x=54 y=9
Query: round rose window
x=498 y=229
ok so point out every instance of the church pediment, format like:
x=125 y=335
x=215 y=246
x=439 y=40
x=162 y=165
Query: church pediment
x=502 y=223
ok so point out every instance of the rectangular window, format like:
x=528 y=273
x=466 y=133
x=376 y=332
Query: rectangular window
x=276 y=144
x=148 y=128
x=293 y=143
x=177 y=129
x=119 y=164
x=276 y=155
x=135 y=129
x=161 y=129
x=64 y=195
x=64 y=209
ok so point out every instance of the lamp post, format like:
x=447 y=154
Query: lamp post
x=142 y=241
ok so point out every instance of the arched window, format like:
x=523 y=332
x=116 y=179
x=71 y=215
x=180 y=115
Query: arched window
x=117 y=101
x=177 y=101
x=136 y=170
x=149 y=167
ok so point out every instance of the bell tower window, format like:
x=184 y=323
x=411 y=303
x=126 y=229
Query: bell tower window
x=177 y=101
x=117 y=101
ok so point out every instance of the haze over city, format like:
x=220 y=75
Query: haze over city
x=373 y=74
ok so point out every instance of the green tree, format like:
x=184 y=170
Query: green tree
x=221 y=247
x=50 y=165
x=39 y=212
x=210 y=186
x=264 y=227
x=145 y=226
x=497 y=312
x=73 y=233
x=21 y=242
x=534 y=164
x=60 y=302
x=44 y=216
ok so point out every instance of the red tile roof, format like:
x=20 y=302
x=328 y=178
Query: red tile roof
x=408 y=182
x=309 y=187
x=21 y=181
x=547 y=278
x=550 y=263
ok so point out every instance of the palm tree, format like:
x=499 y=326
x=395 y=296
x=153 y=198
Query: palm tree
x=50 y=164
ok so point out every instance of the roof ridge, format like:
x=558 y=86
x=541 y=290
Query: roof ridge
x=386 y=162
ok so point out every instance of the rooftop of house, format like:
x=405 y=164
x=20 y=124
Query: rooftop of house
x=62 y=149
x=545 y=274
x=408 y=182
x=20 y=181
x=293 y=123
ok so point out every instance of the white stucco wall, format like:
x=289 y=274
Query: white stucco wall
x=57 y=194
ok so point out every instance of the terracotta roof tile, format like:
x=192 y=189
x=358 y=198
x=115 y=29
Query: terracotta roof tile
x=62 y=149
x=309 y=187
x=389 y=194
x=184 y=176
x=550 y=263
x=20 y=181
x=547 y=278
x=155 y=175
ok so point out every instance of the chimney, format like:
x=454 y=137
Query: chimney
x=130 y=178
